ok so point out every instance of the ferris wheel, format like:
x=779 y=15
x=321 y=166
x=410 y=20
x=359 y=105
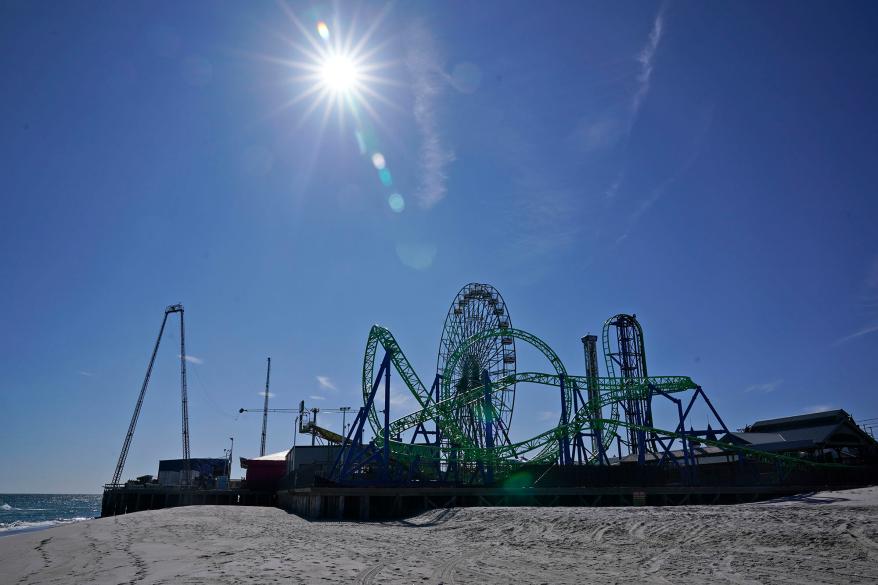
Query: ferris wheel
x=478 y=308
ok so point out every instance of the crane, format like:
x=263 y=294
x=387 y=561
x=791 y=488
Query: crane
x=126 y=444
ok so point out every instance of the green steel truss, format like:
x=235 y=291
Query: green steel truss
x=543 y=448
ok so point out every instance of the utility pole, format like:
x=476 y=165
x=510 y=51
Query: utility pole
x=229 y=461
x=265 y=409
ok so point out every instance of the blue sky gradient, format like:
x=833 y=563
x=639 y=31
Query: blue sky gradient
x=709 y=167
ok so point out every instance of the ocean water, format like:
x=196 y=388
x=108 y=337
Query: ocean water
x=26 y=512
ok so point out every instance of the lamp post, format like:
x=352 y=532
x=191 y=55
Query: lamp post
x=344 y=413
x=296 y=422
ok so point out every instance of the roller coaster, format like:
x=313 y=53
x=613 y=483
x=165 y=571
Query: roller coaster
x=461 y=430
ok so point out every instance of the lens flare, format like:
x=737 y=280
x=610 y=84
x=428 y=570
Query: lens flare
x=378 y=161
x=396 y=202
x=323 y=30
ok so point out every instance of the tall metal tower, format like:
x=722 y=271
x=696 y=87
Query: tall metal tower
x=265 y=409
x=126 y=444
x=624 y=349
x=589 y=344
x=187 y=467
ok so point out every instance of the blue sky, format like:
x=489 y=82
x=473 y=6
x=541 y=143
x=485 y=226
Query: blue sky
x=710 y=168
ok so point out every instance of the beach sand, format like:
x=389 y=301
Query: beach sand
x=829 y=537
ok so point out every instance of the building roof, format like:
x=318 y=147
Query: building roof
x=279 y=456
x=830 y=417
x=834 y=428
x=753 y=438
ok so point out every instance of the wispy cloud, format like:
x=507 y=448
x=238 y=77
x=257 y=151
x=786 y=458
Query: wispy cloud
x=613 y=189
x=542 y=213
x=872 y=276
x=270 y=394
x=325 y=382
x=400 y=398
x=766 y=387
x=545 y=220
x=428 y=83
x=85 y=373
x=547 y=415
x=701 y=126
x=856 y=334
x=869 y=304
x=599 y=134
x=646 y=66
x=317 y=397
x=646 y=58
x=192 y=359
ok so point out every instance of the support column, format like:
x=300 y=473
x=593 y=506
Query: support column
x=488 y=408
x=386 y=445
x=589 y=344
x=364 y=508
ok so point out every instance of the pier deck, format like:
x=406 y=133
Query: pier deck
x=126 y=499
x=366 y=503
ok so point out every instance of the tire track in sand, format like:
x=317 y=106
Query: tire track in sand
x=724 y=570
x=365 y=576
x=444 y=573
x=864 y=542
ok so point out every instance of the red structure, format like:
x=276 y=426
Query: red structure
x=268 y=468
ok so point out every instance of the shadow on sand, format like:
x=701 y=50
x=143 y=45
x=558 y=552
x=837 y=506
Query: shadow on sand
x=443 y=516
x=807 y=498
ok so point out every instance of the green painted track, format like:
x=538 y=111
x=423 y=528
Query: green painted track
x=543 y=448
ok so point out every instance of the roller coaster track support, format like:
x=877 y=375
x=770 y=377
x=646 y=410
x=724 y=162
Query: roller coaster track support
x=353 y=457
x=467 y=403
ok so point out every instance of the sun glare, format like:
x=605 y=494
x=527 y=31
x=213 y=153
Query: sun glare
x=339 y=73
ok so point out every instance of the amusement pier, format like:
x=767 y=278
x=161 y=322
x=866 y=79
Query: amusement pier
x=459 y=446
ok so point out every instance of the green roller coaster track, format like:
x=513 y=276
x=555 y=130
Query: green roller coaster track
x=543 y=448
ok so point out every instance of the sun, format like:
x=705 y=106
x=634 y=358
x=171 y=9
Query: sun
x=339 y=73
x=349 y=72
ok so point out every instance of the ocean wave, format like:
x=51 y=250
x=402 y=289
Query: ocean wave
x=26 y=526
x=7 y=508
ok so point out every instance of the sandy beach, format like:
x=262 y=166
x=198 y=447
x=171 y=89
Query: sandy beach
x=829 y=537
